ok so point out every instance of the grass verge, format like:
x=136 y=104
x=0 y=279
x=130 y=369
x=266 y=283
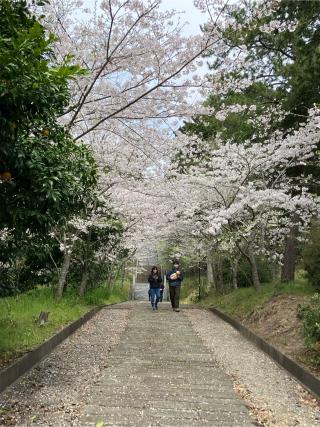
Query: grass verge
x=19 y=330
x=243 y=301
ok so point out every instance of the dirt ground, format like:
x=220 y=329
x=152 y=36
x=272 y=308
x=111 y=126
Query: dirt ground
x=277 y=321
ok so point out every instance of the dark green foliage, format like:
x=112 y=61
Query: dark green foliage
x=285 y=71
x=50 y=182
x=45 y=177
x=311 y=256
x=26 y=262
x=244 y=278
x=244 y=272
x=47 y=172
x=289 y=59
x=310 y=315
x=31 y=85
x=235 y=127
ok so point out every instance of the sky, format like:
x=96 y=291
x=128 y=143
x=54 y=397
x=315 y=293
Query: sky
x=191 y=14
x=194 y=17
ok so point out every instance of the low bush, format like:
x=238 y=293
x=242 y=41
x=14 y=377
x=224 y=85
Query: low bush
x=310 y=315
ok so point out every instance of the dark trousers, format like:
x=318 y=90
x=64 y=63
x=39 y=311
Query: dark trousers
x=161 y=295
x=174 y=296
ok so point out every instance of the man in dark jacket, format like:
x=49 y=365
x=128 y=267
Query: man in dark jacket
x=175 y=277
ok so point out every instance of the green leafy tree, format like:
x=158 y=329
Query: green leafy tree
x=286 y=58
x=44 y=173
x=45 y=177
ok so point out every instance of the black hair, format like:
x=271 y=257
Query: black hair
x=154 y=267
x=175 y=261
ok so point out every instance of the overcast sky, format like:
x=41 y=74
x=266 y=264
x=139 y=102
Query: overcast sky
x=191 y=14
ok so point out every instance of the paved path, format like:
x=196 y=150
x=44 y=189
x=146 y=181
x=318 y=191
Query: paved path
x=141 y=292
x=160 y=374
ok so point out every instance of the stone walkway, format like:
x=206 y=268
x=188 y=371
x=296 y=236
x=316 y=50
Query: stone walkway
x=141 y=292
x=161 y=374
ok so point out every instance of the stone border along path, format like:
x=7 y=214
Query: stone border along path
x=164 y=369
x=161 y=374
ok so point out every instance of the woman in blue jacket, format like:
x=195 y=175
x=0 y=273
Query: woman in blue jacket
x=155 y=281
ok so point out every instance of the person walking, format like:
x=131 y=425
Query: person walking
x=161 y=291
x=155 y=281
x=175 y=277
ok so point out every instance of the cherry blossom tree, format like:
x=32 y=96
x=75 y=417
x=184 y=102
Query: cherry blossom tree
x=232 y=197
x=275 y=44
x=243 y=191
x=141 y=71
x=140 y=66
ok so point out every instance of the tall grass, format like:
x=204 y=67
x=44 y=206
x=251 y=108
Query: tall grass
x=19 y=330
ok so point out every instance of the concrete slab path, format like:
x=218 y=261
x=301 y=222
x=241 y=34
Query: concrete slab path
x=161 y=374
x=141 y=292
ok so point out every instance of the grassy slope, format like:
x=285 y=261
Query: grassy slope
x=243 y=301
x=19 y=330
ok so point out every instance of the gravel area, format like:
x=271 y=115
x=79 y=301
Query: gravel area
x=274 y=397
x=54 y=392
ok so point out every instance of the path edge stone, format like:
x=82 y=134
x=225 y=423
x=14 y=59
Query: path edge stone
x=13 y=372
x=302 y=375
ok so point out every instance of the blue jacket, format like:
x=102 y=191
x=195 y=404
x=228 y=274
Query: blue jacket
x=176 y=282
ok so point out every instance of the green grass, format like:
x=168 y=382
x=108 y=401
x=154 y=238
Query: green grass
x=243 y=301
x=19 y=330
x=189 y=289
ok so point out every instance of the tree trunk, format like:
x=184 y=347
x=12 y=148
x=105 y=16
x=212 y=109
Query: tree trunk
x=63 y=273
x=217 y=273
x=109 y=277
x=254 y=269
x=220 y=274
x=274 y=271
x=289 y=257
x=84 y=280
x=234 y=268
x=210 y=278
x=123 y=273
